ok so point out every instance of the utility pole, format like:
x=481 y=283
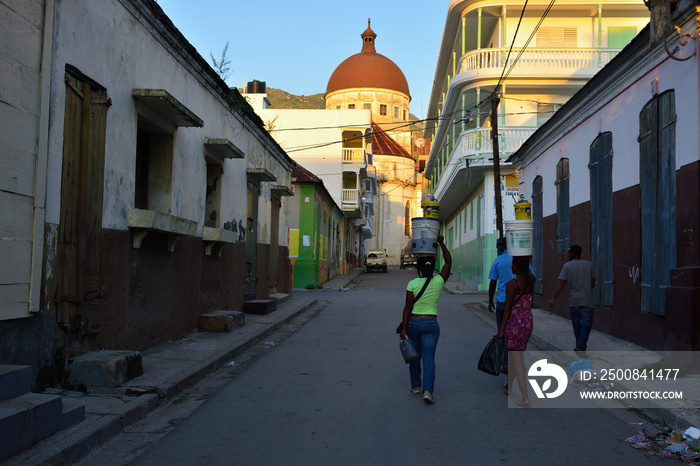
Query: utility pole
x=496 y=163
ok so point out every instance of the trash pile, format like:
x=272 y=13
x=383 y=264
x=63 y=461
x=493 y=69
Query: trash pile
x=580 y=377
x=669 y=444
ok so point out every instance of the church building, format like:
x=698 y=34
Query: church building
x=371 y=81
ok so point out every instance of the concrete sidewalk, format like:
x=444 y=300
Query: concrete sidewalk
x=334 y=284
x=169 y=369
x=554 y=334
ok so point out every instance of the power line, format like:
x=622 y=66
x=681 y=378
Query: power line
x=527 y=43
x=522 y=13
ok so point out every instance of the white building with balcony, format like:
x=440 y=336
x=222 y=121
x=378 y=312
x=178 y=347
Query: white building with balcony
x=533 y=59
x=334 y=145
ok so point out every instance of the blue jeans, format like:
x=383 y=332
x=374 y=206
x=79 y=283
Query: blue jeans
x=582 y=320
x=500 y=309
x=424 y=332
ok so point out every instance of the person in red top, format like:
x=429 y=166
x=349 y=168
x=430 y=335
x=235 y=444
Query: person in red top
x=516 y=325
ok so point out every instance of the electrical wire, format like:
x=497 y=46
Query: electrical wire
x=505 y=64
x=527 y=43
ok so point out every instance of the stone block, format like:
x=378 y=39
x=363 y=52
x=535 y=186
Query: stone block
x=104 y=368
x=221 y=321
x=260 y=306
x=280 y=297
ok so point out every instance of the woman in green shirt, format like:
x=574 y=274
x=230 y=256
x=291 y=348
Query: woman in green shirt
x=420 y=320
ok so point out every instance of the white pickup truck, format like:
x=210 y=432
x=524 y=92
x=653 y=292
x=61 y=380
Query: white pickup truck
x=376 y=259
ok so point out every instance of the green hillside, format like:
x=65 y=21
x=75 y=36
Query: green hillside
x=281 y=100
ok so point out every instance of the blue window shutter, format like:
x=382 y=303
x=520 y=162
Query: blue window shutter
x=647 y=187
x=657 y=145
x=601 y=218
x=606 y=276
x=538 y=246
x=595 y=169
x=666 y=199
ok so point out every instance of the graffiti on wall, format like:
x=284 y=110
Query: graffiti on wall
x=236 y=228
x=633 y=272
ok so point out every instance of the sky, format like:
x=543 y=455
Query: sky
x=296 y=45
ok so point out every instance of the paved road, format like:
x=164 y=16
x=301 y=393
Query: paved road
x=333 y=389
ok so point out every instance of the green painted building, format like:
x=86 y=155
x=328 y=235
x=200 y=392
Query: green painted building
x=318 y=232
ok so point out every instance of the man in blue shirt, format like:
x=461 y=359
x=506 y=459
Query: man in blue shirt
x=500 y=273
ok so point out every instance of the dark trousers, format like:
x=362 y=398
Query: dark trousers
x=500 y=309
x=582 y=320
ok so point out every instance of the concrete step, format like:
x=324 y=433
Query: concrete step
x=26 y=420
x=280 y=297
x=259 y=306
x=14 y=381
x=73 y=412
x=221 y=321
x=104 y=369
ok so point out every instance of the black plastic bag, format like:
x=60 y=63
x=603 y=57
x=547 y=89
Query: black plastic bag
x=492 y=357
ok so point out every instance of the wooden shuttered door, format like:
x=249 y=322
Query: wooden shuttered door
x=78 y=279
x=251 y=243
x=600 y=166
x=657 y=147
x=276 y=207
x=538 y=246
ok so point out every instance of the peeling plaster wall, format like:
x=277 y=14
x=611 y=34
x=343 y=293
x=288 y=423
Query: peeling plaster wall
x=614 y=105
x=151 y=293
x=130 y=56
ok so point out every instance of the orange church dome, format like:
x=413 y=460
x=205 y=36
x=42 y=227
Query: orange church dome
x=368 y=69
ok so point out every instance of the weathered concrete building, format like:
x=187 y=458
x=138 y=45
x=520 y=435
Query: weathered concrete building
x=164 y=195
x=615 y=171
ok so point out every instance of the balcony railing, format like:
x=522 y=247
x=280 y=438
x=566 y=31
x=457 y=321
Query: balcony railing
x=475 y=141
x=476 y=146
x=356 y=156
x=544 y=59
x=350 y=199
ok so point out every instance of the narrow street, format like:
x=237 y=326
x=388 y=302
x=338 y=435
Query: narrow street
x=332 y=389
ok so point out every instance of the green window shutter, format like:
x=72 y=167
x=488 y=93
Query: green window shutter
x=620 y=36
x=471 y=216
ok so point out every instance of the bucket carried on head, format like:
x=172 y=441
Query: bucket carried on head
x=522 y=210
x=431 y=209
x=519 y=237
x=424 y=233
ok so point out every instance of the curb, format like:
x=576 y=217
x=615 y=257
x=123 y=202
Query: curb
x=72 y=444
x=669 y=416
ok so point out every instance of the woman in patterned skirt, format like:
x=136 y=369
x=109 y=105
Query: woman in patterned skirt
x=516 y=324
